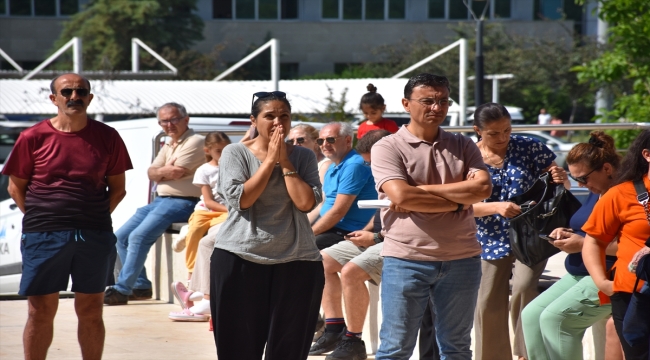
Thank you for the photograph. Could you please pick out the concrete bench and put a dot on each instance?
(163, 267)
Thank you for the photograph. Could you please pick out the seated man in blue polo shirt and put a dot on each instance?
(348, 180)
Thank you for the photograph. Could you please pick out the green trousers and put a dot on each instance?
(555, 322)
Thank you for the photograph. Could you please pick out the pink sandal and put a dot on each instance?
(187, 315)
(182, 294)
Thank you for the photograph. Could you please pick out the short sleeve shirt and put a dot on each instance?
(523, 163)
(207, 174)
(385, 124)
(427, 236)
(189, 154)
(273, 230)
(352, 176)
(618, 213)
(67, 173)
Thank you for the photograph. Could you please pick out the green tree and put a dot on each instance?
(107, 26)
(542, 69)
(623, 66)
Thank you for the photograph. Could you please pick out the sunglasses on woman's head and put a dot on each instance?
(330, 140)
(263, 94)
(299, 140)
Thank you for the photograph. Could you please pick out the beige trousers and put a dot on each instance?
(201, 275)
(491, 316)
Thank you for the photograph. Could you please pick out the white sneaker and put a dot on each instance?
(202, 307)
(178, 244)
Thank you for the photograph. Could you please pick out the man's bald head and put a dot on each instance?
(53, 83)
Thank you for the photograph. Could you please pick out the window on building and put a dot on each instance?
(245, 9)
(289, 9)
(222, 9)
(268, 9)
(69, 7)
(374, 9)
(364, 9)
(352, 9)
(456, 9)
(502, 9)
(20, 8)
(44, 8)
(396, 9)
(436, 9)
(255, 9)
(560, 9)
(39, 7)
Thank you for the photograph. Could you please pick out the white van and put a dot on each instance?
(143, 139)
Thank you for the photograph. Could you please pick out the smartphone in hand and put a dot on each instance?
(546, 237)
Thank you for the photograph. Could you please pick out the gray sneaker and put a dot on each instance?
(350, 348)
(327, 342)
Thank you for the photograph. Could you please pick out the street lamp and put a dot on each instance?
(478, 63)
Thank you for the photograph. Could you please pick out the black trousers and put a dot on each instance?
(254, 305)
(620, 302)
(428, 344)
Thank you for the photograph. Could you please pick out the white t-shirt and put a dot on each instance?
(207, 174)
(544, 119)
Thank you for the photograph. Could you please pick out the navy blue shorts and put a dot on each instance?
(51, 258)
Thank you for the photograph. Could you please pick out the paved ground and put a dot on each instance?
(139, 330)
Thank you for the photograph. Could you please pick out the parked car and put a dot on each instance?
(9, 131)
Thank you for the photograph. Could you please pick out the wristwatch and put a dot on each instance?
(378, 237)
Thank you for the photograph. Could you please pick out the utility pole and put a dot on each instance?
(479, 69)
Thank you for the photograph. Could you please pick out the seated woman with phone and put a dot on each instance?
(555, 322)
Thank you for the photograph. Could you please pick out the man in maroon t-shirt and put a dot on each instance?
(66, 174)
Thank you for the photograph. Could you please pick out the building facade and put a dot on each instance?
(315, 35)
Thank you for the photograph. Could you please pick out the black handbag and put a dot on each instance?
(545, 207)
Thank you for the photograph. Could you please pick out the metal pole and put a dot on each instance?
(77, 56)
(11, 61)
(462, 82)
(155, 54)
(275, 63)
(426, 60)
(135, 56)
(49, 60)
(478, 65)
(244, 61)
(603, 98)
(495, 90)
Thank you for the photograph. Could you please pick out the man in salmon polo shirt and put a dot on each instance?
(430, 248)
(67, 176)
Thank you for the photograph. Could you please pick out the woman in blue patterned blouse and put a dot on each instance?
(514, 162)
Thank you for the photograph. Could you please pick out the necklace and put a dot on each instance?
(488, 157)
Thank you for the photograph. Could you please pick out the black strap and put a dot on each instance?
(642, 197)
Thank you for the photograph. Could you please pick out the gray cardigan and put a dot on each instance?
(273, 230)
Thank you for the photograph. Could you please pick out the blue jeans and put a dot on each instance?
(140, 232)
(405, 291)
